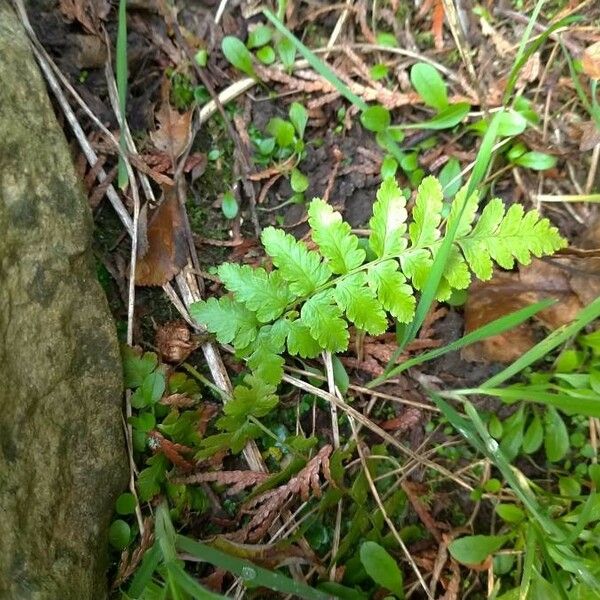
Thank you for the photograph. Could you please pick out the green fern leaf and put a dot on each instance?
(456, 272)
(332, 235)
(301, 268)
(262, 292)
(393, 292)
(388, 223)
(505, 237)
(254, 398)
(323, 318)
(265, 360)
(360, 304)
(230, 321)
(300, 342)
(416, 265)
(426, 213)
(475, 248)
(468, 214)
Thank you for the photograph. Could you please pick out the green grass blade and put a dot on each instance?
(143, 574)
(555, 339)
(523, 56)
(245, 569)
(495, 327)
(484, 156)
(316, 63)
(121, 76)
(188, 584)
(321, 67)
(569, 403)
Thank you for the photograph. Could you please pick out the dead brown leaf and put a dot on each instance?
(269, 504)
(88, 13)
(163, 249)
(174, 131)
(174, 341)
(508, 292)
(171, 450)
(240, 479)
(409, 418)
(590, 61)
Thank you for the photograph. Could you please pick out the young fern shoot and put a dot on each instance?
(306, 303)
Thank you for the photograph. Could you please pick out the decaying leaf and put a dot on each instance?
(88, 13)
(240, 479)
(174, 341)
(508, 292)
(171, 450)
(409, 418)
(162, 245)
(173, 132)
(130, 559)
(269, 504)
(590, 61)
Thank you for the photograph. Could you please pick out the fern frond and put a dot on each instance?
(332, 235)
(395, 295)
(308, 301)
(301, 268)
(506, 238)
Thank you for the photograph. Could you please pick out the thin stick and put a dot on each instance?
(333, 390)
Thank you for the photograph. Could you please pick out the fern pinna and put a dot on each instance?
(306, 302)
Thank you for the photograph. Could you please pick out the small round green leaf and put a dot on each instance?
(429, 85)
(389, 166)
(286, 51)
(298, 181)
(376, 118)
(283, 131)
(201, 57)
(536, 161)
(266, 55)
(556, 438)
(237, 54)
(379, 71)
(298, 117)
(510, 513)
(119, 534)
(387, 39)
(125, 504)
(382, 568)
(511, 123)
(450, 178)
(259, 36)
(534, 436)
(340, 375)
(474, 549)
(229, 205)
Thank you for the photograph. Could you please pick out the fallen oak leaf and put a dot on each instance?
(162, 244)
